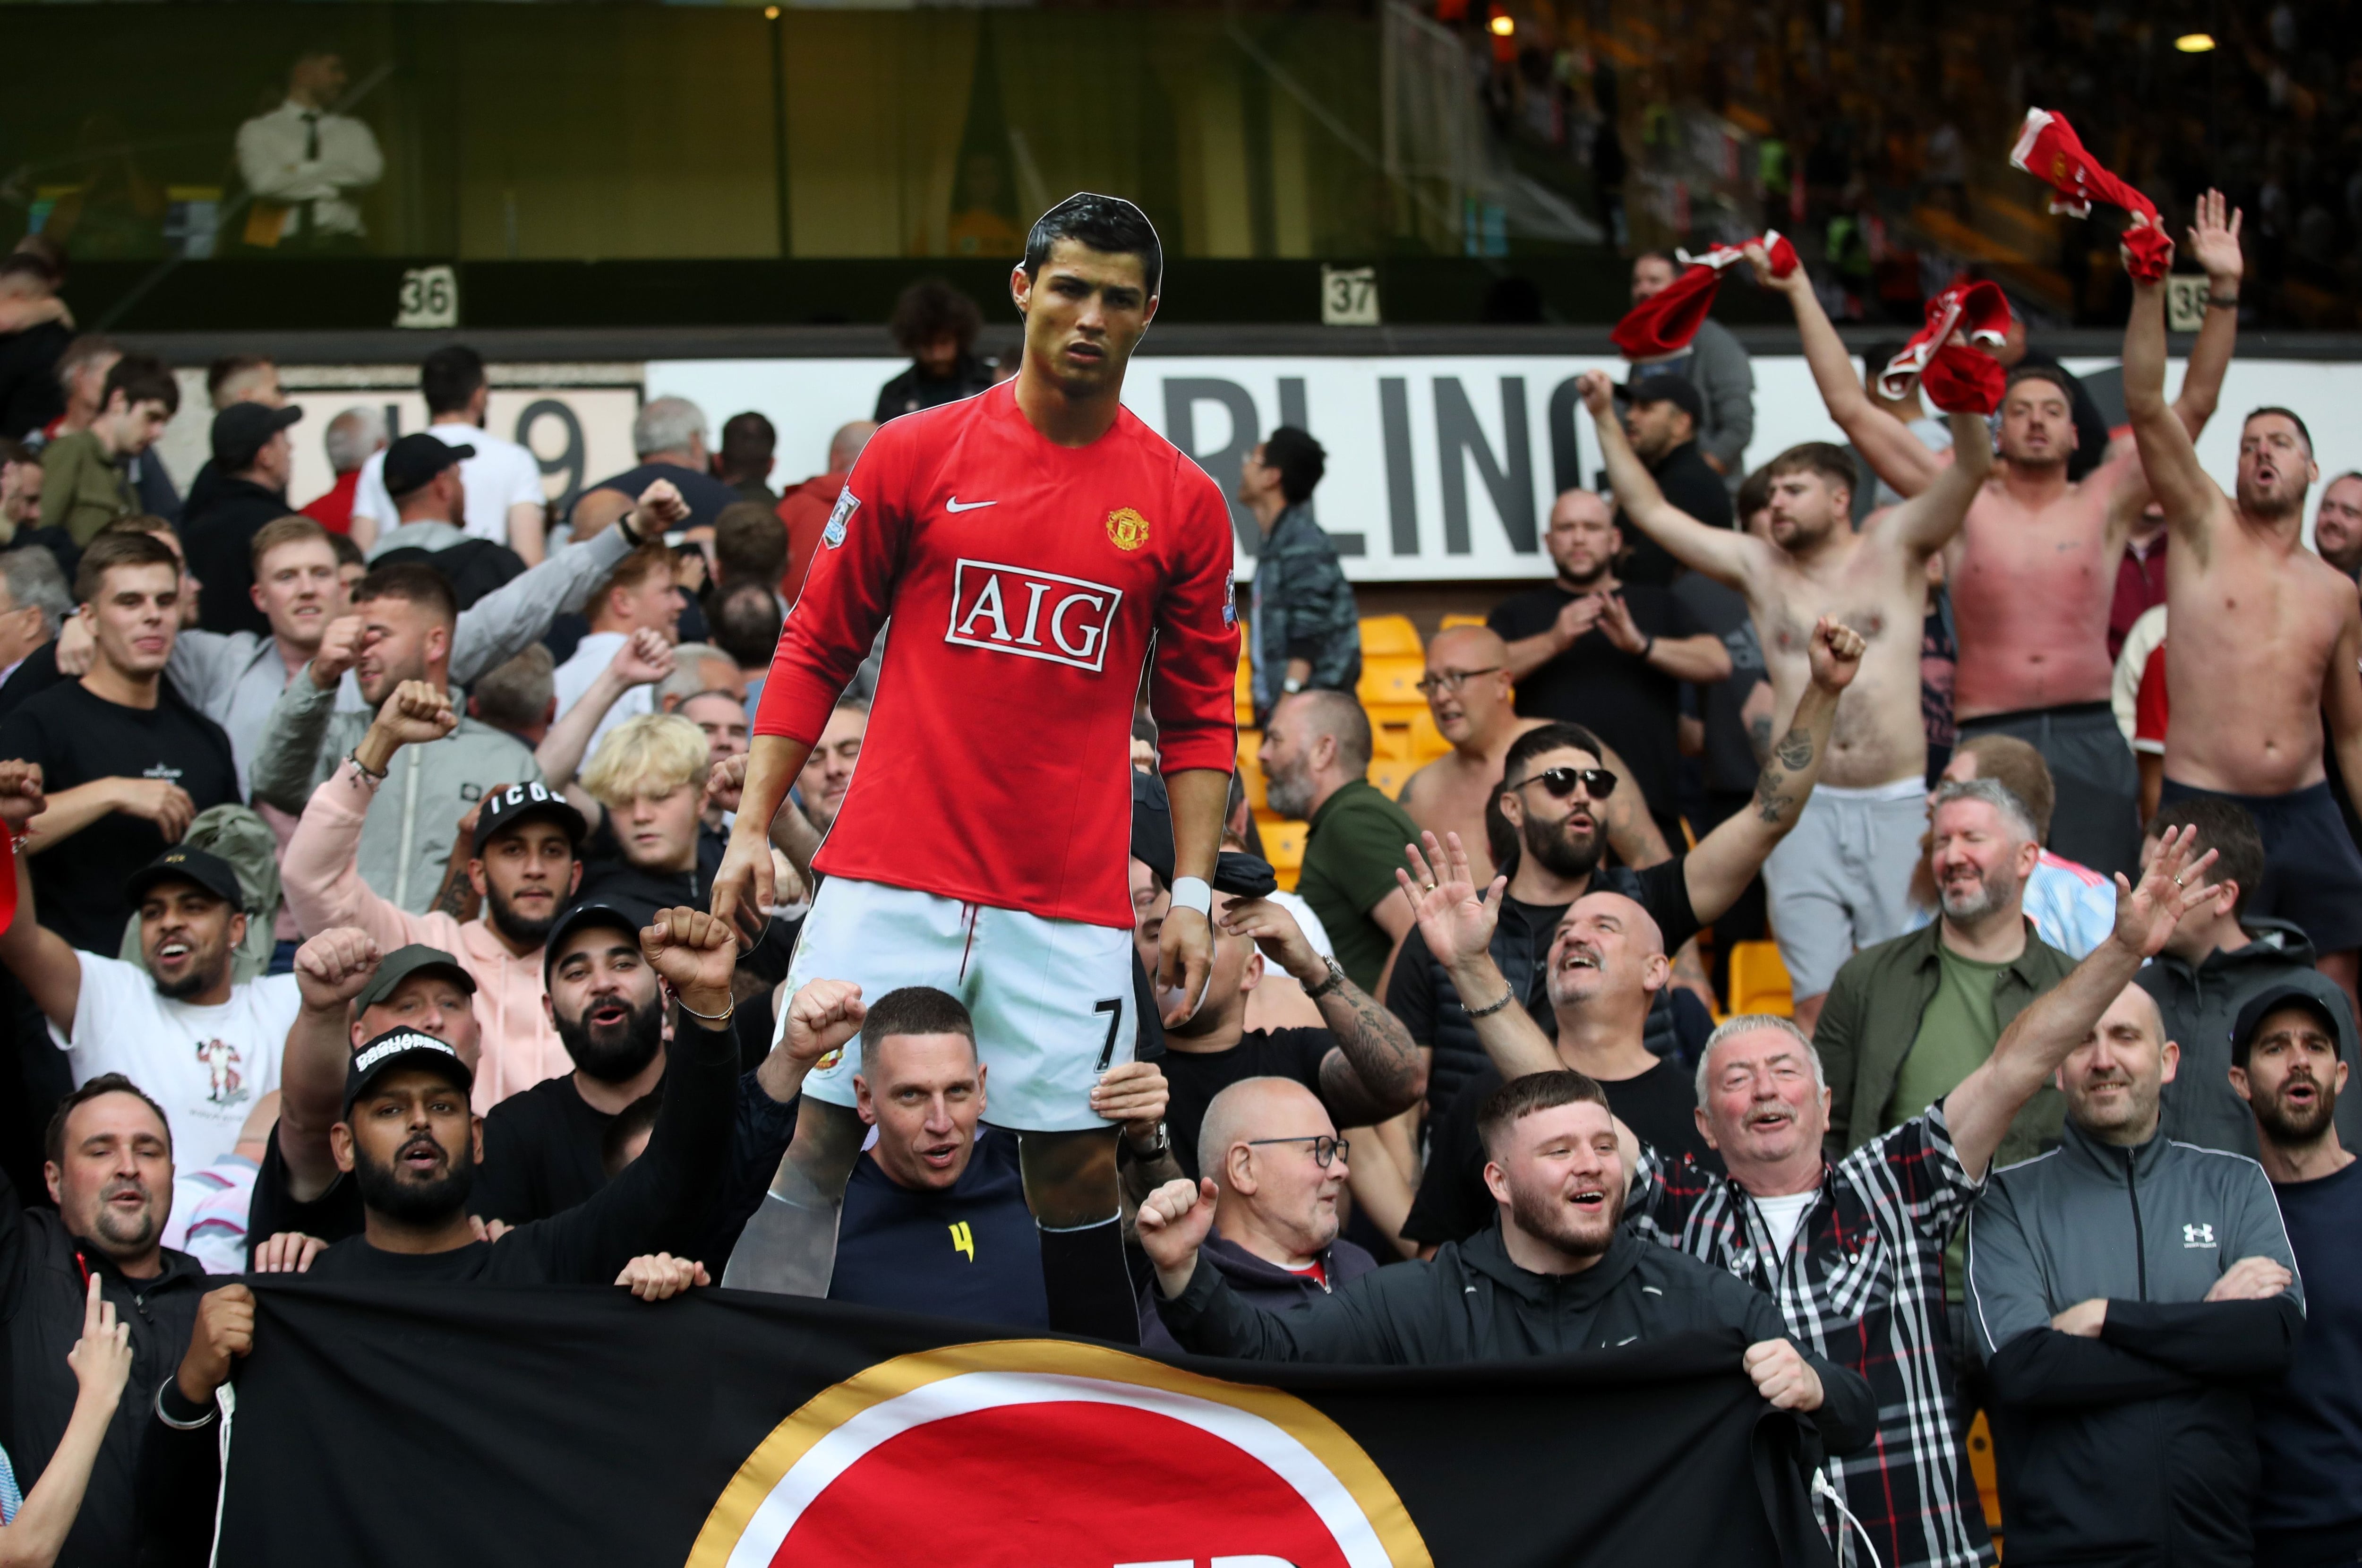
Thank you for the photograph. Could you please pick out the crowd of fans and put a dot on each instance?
(361, 856)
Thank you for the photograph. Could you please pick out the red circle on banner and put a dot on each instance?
(1084, 1483)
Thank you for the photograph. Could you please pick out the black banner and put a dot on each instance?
(725, 1429)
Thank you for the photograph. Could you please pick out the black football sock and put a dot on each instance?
(1089, 1289)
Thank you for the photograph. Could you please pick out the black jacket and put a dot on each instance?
(2137, 1446)
(1470, 1303)
(219, 538)
(910, 391)
(1261, 1283)
(42, 1284)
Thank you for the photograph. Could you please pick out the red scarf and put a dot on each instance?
(2048, 148)
(1665, 323)
(1957, 378)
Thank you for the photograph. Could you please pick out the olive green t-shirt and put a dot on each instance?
(1351, 847)
(1956, 1034)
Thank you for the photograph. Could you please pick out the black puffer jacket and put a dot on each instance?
(43, 1271)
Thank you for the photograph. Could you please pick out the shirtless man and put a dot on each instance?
(1842, 879)
(2336, 525)
(2266, 639)
(1467, 688)
(2034, 573)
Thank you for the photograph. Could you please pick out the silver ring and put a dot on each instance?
(1427, 886)
(2176, 881)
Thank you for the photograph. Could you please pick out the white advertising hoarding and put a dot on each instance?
(1439, 467)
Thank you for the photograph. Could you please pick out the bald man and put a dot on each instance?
(1607, 965)
(1316, 767)
(2122, 1344)
(1468, 692)
(1278, 1170)
(1589, 649)
(804, 508)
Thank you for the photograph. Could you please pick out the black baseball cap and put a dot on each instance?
(243, 429)
(504, 808)
(180, 864)
(582, 917)
(404, 962)
(399, 1048)
(2271, 1000)
(1663, 388)
(416, 459)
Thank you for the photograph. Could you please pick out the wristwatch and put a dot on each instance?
(1157, 1150)
(1319, 988)
(1291, 686)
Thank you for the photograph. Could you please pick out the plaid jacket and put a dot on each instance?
(1864, 1285)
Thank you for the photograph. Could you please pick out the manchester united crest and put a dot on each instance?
(1127, 529)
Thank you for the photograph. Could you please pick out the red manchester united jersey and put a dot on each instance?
(1025, 580)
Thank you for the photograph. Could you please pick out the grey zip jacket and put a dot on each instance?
(2137, 1446)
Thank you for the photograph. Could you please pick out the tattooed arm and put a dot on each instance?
(1727, 860)
(1375, 1070)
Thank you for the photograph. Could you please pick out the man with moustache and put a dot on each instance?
(109, 1154)
(2129, 1293)
(525, 865)
(1558, 1273)
(1851, 1252)
(2286, 1065)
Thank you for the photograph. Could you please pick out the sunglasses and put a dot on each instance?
(1561, 781)
(1324, 1148)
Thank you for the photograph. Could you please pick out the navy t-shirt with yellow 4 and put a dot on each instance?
(968, 1251)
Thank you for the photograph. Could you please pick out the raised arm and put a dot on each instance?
(44, 962)
(1207, 1317)
(331, 970)
(1893, 453)
(2031, 1049)
(512, 618)
(1727, 860)
(1927, 522)
(2214, 245)
(1457, 921)
(287, 757)
(645, 658)
(1373, 1071)
(2168, 456)
(1724, 553)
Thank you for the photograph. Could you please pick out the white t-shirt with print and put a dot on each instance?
(205, 1066)
(501, 475)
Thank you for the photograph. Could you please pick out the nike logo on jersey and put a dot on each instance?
(1033, 614)
(956, 505)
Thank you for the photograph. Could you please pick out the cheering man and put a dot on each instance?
(1030, 541)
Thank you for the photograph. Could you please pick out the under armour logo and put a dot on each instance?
(963, 1239)
(2198, 1235)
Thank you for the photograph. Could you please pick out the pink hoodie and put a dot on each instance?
(324, 888)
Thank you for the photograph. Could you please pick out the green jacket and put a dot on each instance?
(1350, 849)
(83, 487)
(1872, 1016)
(1303, 608)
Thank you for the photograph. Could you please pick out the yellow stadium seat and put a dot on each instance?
(1391, 743)
(1251, 770)
(1244, 688)
(1450, 621)
(1988, 1476)
(1388, 636)
(1391, 774)
(1390, 685)
(1283, 845)
(1759, 981)
(1427, 741)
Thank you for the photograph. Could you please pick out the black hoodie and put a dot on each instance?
(1470, 1303)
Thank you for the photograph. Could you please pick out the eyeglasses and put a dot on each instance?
(1561, 781)
(1451, 680)
(1324, 1148)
